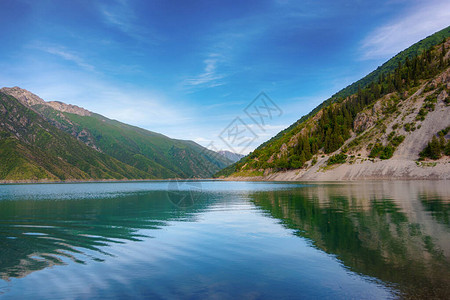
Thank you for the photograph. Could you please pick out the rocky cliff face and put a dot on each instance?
(367, 119)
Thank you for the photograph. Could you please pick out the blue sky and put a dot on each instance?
(187, 69)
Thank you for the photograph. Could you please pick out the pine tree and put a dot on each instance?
(314, 146)
(307, 150)
(435, 148)
(302, 158)
(442, 141)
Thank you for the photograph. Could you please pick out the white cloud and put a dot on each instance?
(121, 15)
(420, 21)
(141, 108)
(67, 55)
(129, 104)
(209, 77)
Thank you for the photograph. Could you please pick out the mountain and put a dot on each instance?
(33, 149)
(389, 124)
(234, 157)
(80, 144)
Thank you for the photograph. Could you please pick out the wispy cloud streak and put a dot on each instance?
(121, 15)
(67, 55)
(421, 21)
(209, 77)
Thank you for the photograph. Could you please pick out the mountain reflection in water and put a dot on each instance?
(394, 235)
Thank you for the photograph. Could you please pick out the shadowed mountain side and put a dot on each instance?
(33, 149)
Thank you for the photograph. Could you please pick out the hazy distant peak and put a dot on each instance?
(234, 157)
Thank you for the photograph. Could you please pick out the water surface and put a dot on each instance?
(210, 239)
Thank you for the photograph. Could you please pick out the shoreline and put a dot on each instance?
(44, 181)
(393, 169)
(265, 179)
(275, 177)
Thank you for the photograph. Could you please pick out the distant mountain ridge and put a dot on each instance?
(29, 99)
(73, 109)
(144, 154)
(234, 157)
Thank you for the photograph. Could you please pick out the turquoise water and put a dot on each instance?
(225, 240)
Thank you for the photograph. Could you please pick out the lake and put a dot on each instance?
(225, 240)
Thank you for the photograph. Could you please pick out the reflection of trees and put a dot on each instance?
(38, 234)
(373, 236)
(398, 233)
(439, 209)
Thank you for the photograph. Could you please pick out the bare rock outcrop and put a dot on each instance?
(29, 99)
(364, 121)
(25, 97)
(73, 109)
(283, 150)
(442, 96)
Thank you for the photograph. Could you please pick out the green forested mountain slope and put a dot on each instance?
(148, 151)
(364, 120)
(392, 64)
(152, 153)
(389, 66)
(33, 149)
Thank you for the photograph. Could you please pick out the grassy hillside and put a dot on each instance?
(147, 151)
(338, 120)
(33, 149)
